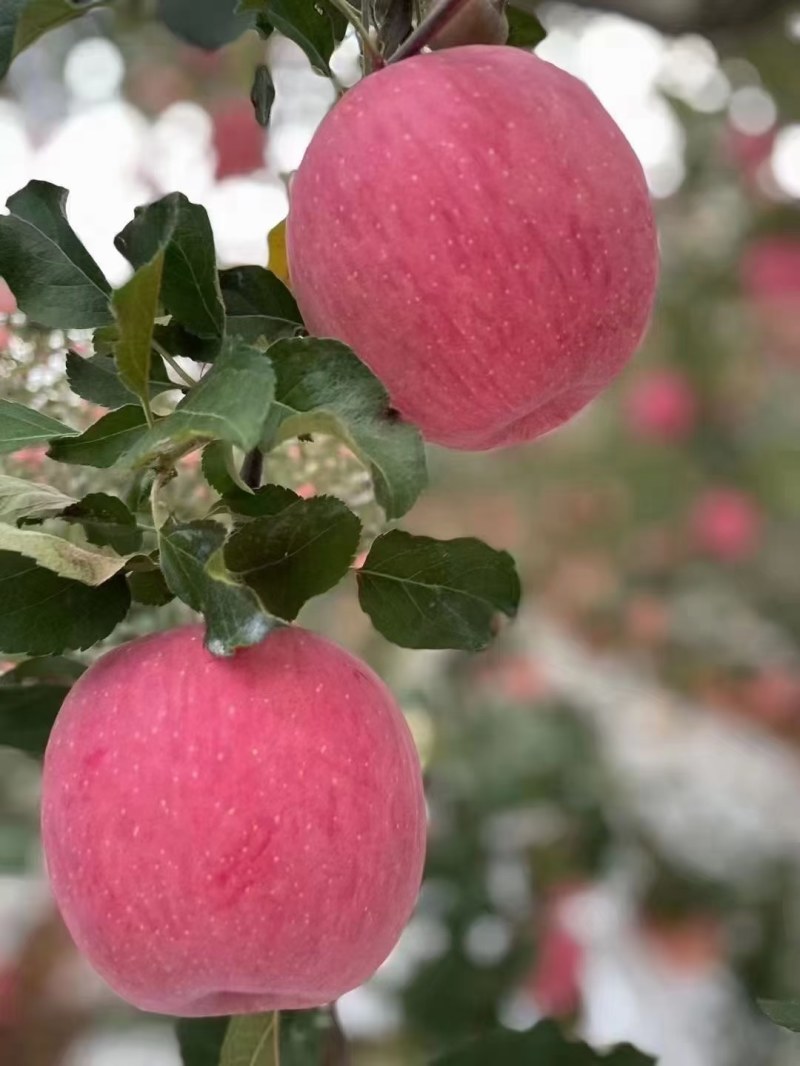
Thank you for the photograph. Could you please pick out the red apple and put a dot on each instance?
(647, 620)
(770, 271)
(8, 302)
(34, 457)
(662, 407)
(727, 524)
(474, 224)
(238, 139)
(749, 151)
(228, 836)
(692, 945)
(555, 982)
(514, 677)
(774, 696)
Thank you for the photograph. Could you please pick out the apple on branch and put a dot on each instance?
(476, 227)
(229, 836)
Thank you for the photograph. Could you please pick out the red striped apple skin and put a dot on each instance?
(227, 836)
(476, 227)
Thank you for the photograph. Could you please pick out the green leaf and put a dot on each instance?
(785, 1013)
(104, 443)
(27, 713)
(103, 340)
(55, 280)
(221, 470)
(179, 341)
(304, 1036)
(234, 617)
(28, 710)
(250, 1041)
(25, 499)
(207, 24)
(201, 1040)
(524, 28)
(315, 25)
(189, 285)
(262, 94)
(55, 669)
(97, 380)
(230, 403)
(73, 561)
(299, 552)
(544, 1045)
(150, 587)
(267, 500)
(323, 387)
(23, 21)
(21, 427)
(107, 522)
(44, 614)
(258, 305)
(135, 309)
(426, 593)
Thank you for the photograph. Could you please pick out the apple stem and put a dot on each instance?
(253, 468)
(438, 17)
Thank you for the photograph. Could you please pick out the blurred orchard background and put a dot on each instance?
(614, 788)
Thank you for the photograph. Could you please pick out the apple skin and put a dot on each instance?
(229, 836)
(662, 407)
(476, 227)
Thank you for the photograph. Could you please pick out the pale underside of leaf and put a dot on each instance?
(89, 566)
(250, 1041)
(25, 499)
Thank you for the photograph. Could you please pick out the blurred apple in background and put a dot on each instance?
(727, 524)
(770, 274)
(690, 945)
(555, 983)
(154, 87)
(749, 152)
(774, 697)
(239, 141)
(8, 302)
(662, 406)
